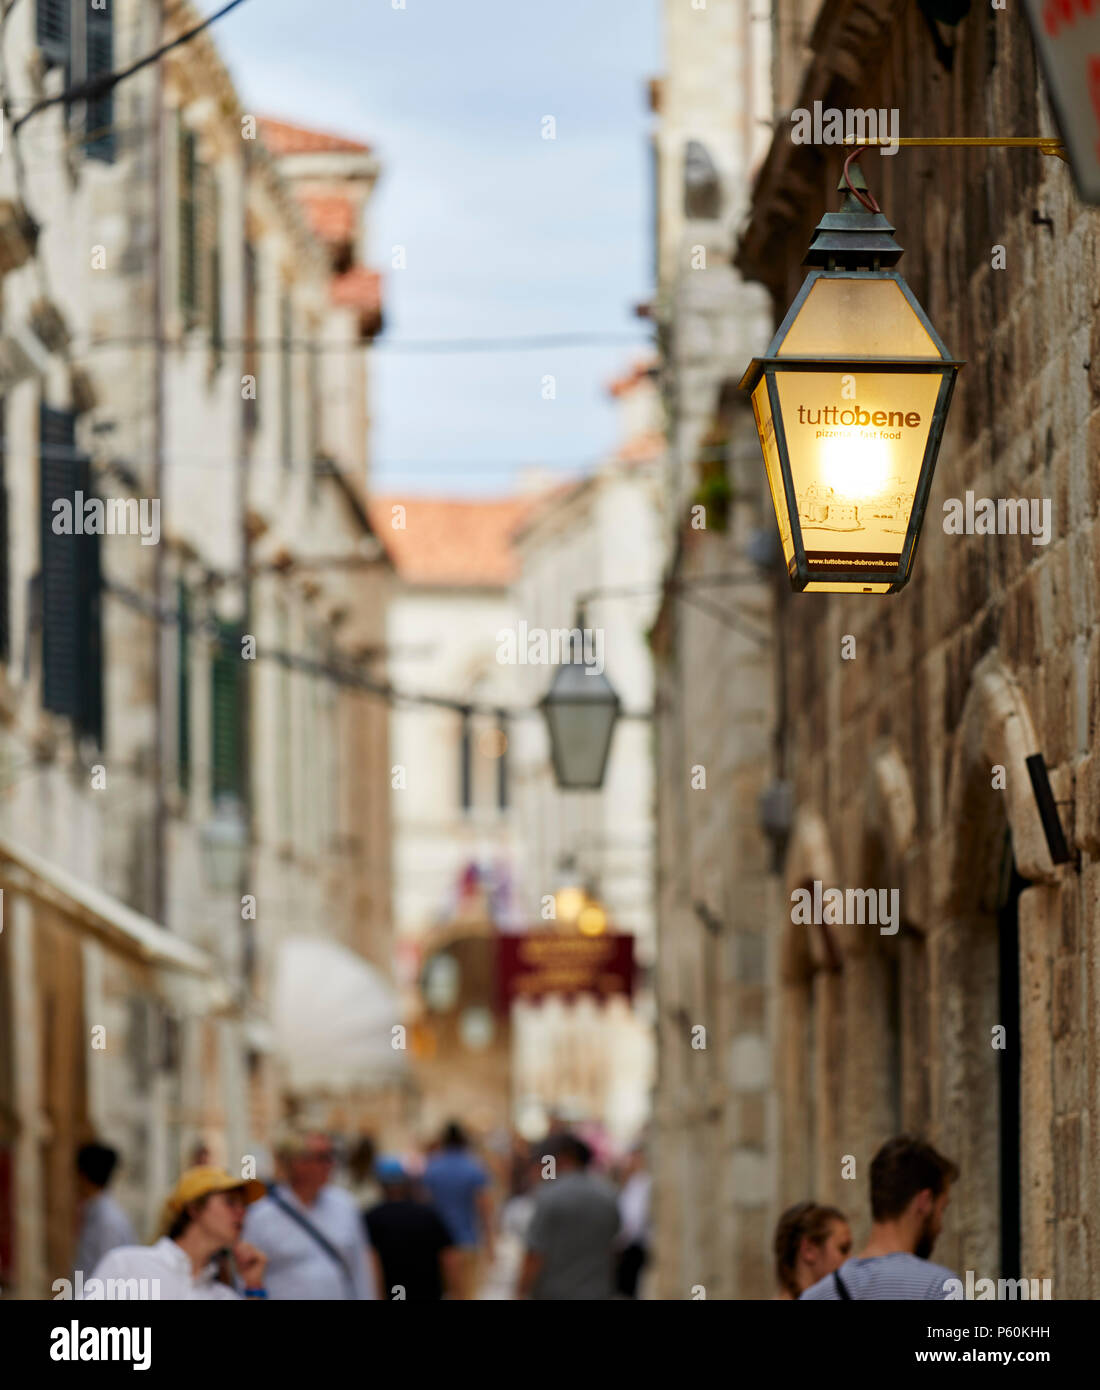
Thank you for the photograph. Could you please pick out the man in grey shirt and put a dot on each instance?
(570, 1241)
(910, 1189)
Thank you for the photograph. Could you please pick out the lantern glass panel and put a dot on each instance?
(765, 425)
(855, 459)
(841, 310)
(581, 735)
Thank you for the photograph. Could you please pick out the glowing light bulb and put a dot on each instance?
(855, 468)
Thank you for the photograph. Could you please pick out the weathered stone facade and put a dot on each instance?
(991, 653)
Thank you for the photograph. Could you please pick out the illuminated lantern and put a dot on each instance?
(850, 404)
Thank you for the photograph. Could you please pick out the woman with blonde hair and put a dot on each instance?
(810, 1242)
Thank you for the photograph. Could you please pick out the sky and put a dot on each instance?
(506, 233)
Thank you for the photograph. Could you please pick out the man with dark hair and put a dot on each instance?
(458, 1185)
(910, 1190)
(103, 1224)
(571, 1238)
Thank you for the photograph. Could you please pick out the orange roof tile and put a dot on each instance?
(640, 448)
(331, 216)
(452, 541)
(281, 137)
(632, 377)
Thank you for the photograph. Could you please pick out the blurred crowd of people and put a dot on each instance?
(559, 1219)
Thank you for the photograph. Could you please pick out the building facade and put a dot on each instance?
(595, 545)
(452, 795)
(892, 733)
(908, 762)
(713, 655)
(167, 295)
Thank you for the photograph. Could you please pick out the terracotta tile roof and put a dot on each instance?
(358, 288)
(331, 216)
(641, 447)
(281, 137)
(452, 541)
(636, 374)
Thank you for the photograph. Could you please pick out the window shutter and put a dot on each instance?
(5, 575)
(251, 288)
(227, 690)
(211, 212)
(72, 658)
(88, 714)
(286, 382)
(188, 286)
(52, 30)
(57, 479)
(99, 113)
(183, 706)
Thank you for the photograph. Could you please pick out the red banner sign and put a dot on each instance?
(533, 965)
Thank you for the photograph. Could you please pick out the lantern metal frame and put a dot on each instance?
(853, 244)
(614, 706)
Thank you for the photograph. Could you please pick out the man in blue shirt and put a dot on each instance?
(457, 1184)
(910, 1190)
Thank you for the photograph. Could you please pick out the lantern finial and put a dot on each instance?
(855, 237)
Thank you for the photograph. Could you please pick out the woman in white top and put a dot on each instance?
(202, 1220)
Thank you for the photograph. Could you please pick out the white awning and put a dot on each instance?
(111, 922)
(333, 1015)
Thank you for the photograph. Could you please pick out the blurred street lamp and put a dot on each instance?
(569, 903)
(850, 404)
(581, 709)
(592, 919)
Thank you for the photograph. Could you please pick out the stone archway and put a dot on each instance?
(884, 972)
(965, 966)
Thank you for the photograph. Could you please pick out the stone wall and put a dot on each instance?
(991, 653)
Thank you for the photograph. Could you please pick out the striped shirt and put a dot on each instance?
(896, 1276)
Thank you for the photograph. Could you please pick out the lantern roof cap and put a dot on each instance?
(855, 236)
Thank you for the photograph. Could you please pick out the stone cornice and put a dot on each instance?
(847, 37)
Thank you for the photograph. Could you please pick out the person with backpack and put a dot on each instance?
(910, 1190)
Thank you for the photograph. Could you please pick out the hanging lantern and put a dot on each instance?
(850, 404)
(581, 709)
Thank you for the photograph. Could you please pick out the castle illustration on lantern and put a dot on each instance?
(819, 508)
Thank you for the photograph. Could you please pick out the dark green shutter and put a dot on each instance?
(188, 249)
(183, 714)
(99, 113)
(5, 577)
(227, 692)
(72, 658)
(57, 479)
(89, 644)
(52, 30)
(251, 291)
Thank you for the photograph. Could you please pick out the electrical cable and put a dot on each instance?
(98, 86)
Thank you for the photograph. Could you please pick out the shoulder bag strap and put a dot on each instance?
(322, 1240)
(841, 1288)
